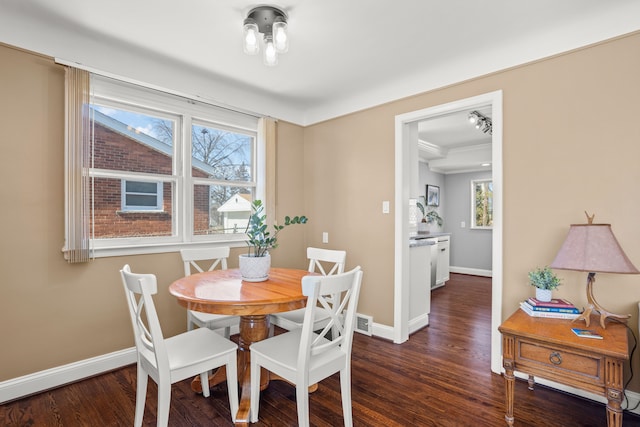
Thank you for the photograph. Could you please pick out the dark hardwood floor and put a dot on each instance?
(441, 377)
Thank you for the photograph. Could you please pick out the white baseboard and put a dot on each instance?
(37, 382)
(632, 397)
(418, 323)
(383, 331)
(471, 271)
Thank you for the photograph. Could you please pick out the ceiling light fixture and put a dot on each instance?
(481, 122)
(271, 22)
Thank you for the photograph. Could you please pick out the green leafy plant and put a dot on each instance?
(544, 278)
(429, 216)
(260, 240)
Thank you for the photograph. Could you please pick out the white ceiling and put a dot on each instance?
(451, 144)
(344, 56)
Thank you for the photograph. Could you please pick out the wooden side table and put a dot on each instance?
(549, 349)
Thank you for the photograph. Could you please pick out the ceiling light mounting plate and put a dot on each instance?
(265, 16)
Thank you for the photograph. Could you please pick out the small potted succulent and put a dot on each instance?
(255, 264)
(545, 281)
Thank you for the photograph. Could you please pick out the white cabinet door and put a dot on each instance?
(419, 292)
(442, 270)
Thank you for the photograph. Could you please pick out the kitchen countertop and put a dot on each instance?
(421, 242)
(425, 239)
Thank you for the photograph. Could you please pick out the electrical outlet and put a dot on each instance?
(325, 237)
(385, 207)
(463, 224)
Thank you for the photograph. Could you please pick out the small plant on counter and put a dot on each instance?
(429, 216)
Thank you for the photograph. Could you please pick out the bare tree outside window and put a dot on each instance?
(482, 203)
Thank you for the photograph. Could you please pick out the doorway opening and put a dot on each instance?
(406, 167)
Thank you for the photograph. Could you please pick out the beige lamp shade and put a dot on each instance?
(592, 248)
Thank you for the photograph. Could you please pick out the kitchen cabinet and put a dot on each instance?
(420, 283)
(442, 262)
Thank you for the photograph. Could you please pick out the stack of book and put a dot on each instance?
(556, 308)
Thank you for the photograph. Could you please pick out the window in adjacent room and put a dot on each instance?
(482, 204)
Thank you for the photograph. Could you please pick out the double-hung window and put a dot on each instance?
(168, 171)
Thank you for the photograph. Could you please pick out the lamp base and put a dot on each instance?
(594, 306)
(586, 315)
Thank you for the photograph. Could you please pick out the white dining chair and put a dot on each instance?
(326, 262)
(173, 359)
(304, 357)
(193, 260)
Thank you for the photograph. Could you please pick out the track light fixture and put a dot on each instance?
(271, 22)
(481, 122)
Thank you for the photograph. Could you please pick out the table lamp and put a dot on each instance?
(593, 248)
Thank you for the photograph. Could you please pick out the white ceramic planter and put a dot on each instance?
(543, 294)
(254, 269)
(423, 228)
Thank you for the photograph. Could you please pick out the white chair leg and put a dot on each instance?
(164, 402)
(189, 322)
(141, 396)
(204, 380)
(227, 332)
(232, 385)
(255, 390)
(302, 400)
(345, 390)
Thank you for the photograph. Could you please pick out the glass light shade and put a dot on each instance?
(270, 53)
(280, 36)
(251, 38)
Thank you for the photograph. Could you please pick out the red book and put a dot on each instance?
(556, 302)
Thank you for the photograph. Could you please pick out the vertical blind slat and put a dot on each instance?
(77, 146)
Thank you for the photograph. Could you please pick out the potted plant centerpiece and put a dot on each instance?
(544, 281)
(429, 216)
(255, 265)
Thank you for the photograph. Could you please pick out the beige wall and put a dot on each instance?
(571, 143)
(53, 313)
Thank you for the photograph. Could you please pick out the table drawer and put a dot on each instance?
(561, 361)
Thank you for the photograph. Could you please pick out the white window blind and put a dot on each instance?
(77, 137)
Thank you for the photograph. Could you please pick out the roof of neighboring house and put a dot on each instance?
(236, 203)
(145, 139)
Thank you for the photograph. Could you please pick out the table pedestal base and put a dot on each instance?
(252, 329)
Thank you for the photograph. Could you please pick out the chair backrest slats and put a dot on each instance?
(319, 291)
(191, 258)
(334, 259)
(139, 289)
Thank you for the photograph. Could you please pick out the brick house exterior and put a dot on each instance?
(121, 149)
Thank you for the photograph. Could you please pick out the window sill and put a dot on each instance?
(137, 212)
(158, 248)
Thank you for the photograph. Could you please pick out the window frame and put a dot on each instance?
(474, 224)
(185, 111)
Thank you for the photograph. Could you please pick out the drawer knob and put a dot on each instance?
(555, 358)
